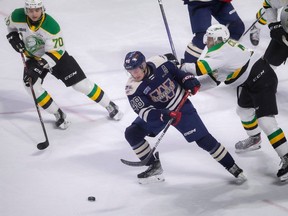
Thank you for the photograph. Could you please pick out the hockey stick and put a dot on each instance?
(45, 144)
(145, 160)
(167, 28)
(253, 24)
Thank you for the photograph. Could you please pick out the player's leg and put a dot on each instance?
(193, 129)
(135, 135)
(200, 20)
(226, 14)
(45, 101)
(71, 74)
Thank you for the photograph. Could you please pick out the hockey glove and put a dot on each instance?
(191, 83)
(16, 42)
(33, 70)
(277, 31)
(172, 58)
(166, 115)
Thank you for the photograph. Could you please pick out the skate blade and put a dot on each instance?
(241, 179)
(152, 179)
(251, 148)
(118, 116)
(284, 178)
(64, 125)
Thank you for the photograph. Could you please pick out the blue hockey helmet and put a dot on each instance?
(134, 60)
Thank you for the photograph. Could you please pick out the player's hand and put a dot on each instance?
(191, 83)
(277, 31)
(33, 70)
(166, 115)
(16, 42)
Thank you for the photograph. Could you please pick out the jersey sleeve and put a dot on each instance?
(54, 44)
(17, 16)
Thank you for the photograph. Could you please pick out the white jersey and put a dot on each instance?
(43, 41)
(228, 62)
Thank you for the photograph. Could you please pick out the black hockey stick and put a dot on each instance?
(253, 24)
(45, 144)
(167, 28)
(145, 160)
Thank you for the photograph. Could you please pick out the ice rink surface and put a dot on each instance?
(84, 160)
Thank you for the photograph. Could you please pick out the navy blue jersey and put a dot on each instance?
(160, 89)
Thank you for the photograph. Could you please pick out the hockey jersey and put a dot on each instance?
(228, 62)
(42, 41)
(160, 89)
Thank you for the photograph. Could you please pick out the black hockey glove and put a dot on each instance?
(172, 58)
(166, 115)
(191, 83)
(16, 42)
(33, 70)
(277, 31)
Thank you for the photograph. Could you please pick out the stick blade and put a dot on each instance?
(139, 163)
(43, 145)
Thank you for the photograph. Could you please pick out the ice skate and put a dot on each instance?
(250, 144)
(153, 174)
(238, 173)
(114, 112)
(255, 35)
(61, 121)
(283, 171)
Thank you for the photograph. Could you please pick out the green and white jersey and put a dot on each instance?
(41, 41)
(228, 62)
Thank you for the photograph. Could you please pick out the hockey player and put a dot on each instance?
(200, 14)
(276, 52)
(154, 90)
(36, 34)
(230, 62)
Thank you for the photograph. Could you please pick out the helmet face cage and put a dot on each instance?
(134, 60)
(218, 32)
(34, 4)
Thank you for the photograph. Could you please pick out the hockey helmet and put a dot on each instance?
(284, 18)
(134, 60)
(218, 32)
(34, 4)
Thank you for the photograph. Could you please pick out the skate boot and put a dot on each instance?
(255, 35)
(249, 144)
(283, 171)
(61, 121)
(153, 174)
(238, 173)
(114, 112)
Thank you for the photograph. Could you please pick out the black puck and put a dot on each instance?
(91, 198)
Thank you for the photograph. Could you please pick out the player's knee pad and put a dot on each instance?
(236, 29)
(268, 124)
(85, 86)
(192, 53)
(245, 114)
(134, 135)
(208, 143)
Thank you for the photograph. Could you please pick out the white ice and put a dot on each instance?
(84, 160)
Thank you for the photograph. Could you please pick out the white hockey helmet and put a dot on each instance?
(218, 32)
(34, 4)
(284, 18)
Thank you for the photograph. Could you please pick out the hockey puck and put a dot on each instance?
(91, 198)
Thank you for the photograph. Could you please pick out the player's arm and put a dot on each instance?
(54, 43)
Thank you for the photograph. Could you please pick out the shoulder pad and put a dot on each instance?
(157, 60)
(18, 15)
(131, 86)
(50, 25)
